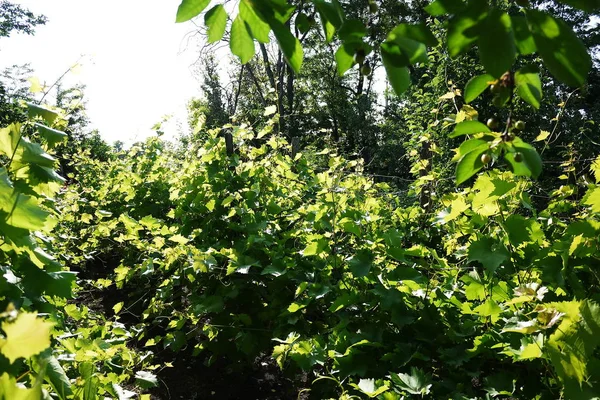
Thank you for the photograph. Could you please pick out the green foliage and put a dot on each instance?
(15, 18)
(34, 282)
(216, 20)
(563, 53)
(467, 293)
(258, 252)
(498, 35)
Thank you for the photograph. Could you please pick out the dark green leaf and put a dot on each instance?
(399, 77)
(529, 85)
(303, 23)
(352, 30)
(188, 9)
(463, 29)
(563, 53)
(216, 20)
(489, 252)
(417, 32)
(585, 5)
(56, 376)
(523, 38)
(476, 86)
(496, 43)
(330, 18)
(440, 7)
(360, 264)
(523, 230)
(469, 128)
(404, 52)
(49, 283)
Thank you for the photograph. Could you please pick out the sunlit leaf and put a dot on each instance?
(188, 9)
(476, 86)
(256, 26)
(27, 336)
(469, 128)
(216, 20)
(529, 85)
(241, 42)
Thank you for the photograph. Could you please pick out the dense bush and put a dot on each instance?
(229, 253)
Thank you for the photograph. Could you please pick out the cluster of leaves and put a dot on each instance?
(498, 35)
(239, 250)
(39, 354)
(15, 18)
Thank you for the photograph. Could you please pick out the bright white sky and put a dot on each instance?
(137, 66)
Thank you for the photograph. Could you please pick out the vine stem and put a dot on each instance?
(558, 117)
(60, 78)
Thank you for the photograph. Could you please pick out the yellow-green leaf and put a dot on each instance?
(27, 336)
(10, 391)
(542, 136)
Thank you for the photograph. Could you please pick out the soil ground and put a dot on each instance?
(190, 379)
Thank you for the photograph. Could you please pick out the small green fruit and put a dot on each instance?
(520, 125)
(498, 101)
(359, 56)
(492, 123)
(495, 88)
(366, 69)
(486, 158)
(509, 137)
(373, 7)
(518, 156)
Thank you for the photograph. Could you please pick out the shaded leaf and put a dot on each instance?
(523, 37)
(563, 53)
(496, 43)
(360, 264)
(399, 77)
(488, 252)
